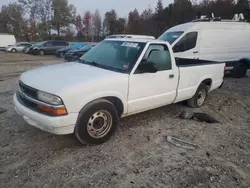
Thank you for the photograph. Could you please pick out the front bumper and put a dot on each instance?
(221, 85)
(61, 125)
(8, 49)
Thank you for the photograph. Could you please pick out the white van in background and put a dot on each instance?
(223, 41)
(6, 40)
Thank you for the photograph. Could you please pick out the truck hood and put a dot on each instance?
(57, 78)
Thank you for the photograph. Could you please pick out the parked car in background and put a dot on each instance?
(219, 40)
(28, 46)
(61, 52)
(130, 36)
(18, 47)
(6, 40)
(117, 78)
(74, 55)
(48, 47)
(29, 49)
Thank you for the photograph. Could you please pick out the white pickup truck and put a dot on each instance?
(117, 78)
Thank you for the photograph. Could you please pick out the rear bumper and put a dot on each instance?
(56, 125)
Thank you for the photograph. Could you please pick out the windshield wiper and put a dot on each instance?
(93, 63)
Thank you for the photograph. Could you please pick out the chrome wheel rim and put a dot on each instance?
(201, 97)
(99, 124)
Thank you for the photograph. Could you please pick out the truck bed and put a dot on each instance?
(192, 74)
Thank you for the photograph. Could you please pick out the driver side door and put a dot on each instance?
(151, 90)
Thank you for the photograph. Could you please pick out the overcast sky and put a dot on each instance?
(121, 6)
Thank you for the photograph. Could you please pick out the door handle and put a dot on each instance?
(195, 52)
(171, 76)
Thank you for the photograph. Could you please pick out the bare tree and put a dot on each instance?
(87, 23)
(97, 23)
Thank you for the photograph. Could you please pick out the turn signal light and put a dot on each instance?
(53, 111)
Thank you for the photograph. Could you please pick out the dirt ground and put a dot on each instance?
(138, 155)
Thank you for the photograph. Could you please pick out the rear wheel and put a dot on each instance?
(199, 98)
(239, 70)
(97, 122)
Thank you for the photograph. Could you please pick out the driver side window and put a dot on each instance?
(159, 55)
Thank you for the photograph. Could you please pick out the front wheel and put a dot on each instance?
(96, 122)
(13, 50)
(41, 52)
(199, 98)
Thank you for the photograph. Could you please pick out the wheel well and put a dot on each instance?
(208, 82)
(117, 103)
(246, 62)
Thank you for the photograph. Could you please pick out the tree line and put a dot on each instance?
(36, 20)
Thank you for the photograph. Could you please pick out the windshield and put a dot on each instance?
(40, 43)
(170, 36)
(118, 56)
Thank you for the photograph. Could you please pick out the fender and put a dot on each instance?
(76, 106)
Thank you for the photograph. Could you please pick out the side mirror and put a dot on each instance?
(147, 67)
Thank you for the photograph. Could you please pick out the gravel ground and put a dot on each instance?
(138, 155)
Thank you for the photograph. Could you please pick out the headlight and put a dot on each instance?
(49, 98)
(34, 48)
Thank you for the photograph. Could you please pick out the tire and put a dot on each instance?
(41, 52)
(100, 115)
(61, 54)
(13, 50)
(239, 71)
(196, 101)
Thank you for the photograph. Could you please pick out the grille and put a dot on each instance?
(26, 102)
(31, 105)
(31, 92)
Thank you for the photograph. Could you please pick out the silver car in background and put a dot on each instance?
(18, 47)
